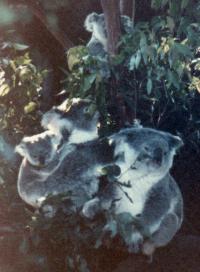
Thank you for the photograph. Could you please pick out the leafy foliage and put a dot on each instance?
(20, 85)
(151, 79)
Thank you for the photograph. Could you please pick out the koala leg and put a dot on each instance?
(163, 235)
(135, 243)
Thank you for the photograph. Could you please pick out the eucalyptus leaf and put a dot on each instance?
(4, 89)
(30, 107)
(20, 47)
(149, 86)
(87, 83)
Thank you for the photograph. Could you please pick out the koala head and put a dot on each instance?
(39, 149)
(127, 24)
(145, 151)
(94, 19)
(74, 120)
(95, 23)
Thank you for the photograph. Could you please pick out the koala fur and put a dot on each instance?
(153, 198)
(95, 23)
(40, 149)
(78, 174)
(65, 126)
(73, 120)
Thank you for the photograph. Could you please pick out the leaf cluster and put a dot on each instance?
(20, 86)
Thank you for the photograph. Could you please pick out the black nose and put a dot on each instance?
(157, 156)
(42, 160)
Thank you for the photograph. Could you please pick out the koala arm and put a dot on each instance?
(166, 226)
(165, 233)
(96, 48)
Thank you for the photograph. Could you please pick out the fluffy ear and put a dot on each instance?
(90, 19)
(21, 149)
(175, 142)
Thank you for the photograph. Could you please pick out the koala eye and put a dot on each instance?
(146, 148)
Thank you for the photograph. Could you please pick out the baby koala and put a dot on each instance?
(39, 149)
(43, 151)
(73, 120)
(144, 189)
(77, 174)
(95, 23)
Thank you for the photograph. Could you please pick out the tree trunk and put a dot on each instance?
(111, 11)
(127, 7)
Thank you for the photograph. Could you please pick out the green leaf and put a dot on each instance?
(4, 89)
(137, 59)
(30, 107)
(132, 63)
(183, 49)
(75, 55)
(149, 86)
(170, 23)
(87, 83)
(20, 47)
(173, 78)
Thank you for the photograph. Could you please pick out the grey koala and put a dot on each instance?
(41, 149)
(43, 153)
(78, 174)
(95, 23)
(73, 120)
(150, 195)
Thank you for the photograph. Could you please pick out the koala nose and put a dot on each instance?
(42, 160)
(157, 156)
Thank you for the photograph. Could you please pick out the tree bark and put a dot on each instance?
(58, 34)
(111, 11)
(127, 7)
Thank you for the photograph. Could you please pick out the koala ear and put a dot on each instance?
(175, 142)
(90, 19)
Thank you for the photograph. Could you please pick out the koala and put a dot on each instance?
(95, 23)
(66, 127)
(77, 174)
(73, 120)
(43, 152)
(39, 149)
(144, 188)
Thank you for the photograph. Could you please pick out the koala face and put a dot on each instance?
(76, 120)
(39, 149)
(144, 151)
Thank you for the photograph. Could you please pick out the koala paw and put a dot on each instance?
(148, 249)
(91, 208)
(135, 245)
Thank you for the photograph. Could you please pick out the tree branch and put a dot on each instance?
(111, 11)
(127, 7)
(59, 35)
